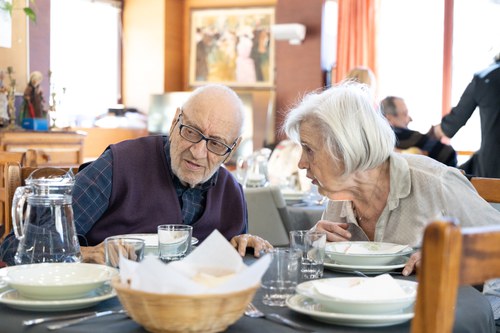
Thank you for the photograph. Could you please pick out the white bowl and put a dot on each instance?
(58, 281)
(365, 253)
(360, 305)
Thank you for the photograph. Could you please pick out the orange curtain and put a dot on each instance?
(357, 36)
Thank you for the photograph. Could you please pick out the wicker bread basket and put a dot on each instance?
(162, 313)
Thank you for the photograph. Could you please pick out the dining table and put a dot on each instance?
(473, 314)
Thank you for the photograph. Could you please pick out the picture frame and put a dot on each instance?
(232, 47)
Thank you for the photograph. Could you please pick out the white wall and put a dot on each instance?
(143, 52)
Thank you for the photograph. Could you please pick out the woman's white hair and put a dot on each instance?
(355, 131)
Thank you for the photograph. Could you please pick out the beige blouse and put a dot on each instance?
(420, 189)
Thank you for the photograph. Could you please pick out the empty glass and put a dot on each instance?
(174, 241)
(281, 277)
(127, 247)
(311, 244)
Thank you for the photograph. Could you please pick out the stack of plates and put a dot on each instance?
(56, 286)
(293, 196)
(367, 257)
(356, 301)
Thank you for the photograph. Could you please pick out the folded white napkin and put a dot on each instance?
(213, 267)
(370, 248)
(381, 287)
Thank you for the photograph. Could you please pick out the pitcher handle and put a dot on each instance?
(18, 202)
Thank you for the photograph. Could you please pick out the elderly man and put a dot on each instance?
(396, 112)
(138, 184)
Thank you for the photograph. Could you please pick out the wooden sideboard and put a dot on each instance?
(54, 148)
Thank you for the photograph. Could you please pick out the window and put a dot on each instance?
(84, 58)
(411, 56)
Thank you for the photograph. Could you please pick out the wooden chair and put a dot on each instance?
(11, 161)
(27, 158)
(267, 214)
(488, 188)
(452, 256)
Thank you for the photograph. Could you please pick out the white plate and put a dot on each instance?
(58, 281)
(151, 240)
(365, 253)
(345, 303)
(13, 299)
(310, 307)
(293, 195)
(3, 273)
(367, 269)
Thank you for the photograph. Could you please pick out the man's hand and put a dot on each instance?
(93, 254)
(241, 242)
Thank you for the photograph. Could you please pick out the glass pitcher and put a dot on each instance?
(251, 171)
(42, 218)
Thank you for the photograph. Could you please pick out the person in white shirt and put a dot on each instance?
(375, 194)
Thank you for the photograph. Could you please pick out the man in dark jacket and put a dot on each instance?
(483, 92)
(396, 112)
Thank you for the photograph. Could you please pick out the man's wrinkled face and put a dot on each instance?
(192, 162)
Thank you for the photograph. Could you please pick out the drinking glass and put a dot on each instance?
(128, 247)
(311, 244)
(281, 277)
(174, 241)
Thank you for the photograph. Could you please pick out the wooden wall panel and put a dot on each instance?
(174, 60)
(298, 67)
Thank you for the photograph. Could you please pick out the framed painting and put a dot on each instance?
(232, 47)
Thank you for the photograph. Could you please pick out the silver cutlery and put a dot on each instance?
(70, 319)
(41, 320)
(359, 273)
(253, 312)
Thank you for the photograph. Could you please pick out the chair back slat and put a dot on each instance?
(451, 257)
(480, 255)
(488, 188)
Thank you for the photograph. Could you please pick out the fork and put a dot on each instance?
(252, 312)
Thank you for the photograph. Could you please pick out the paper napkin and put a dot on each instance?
(370, 248)
(381, 287)
(213, 267)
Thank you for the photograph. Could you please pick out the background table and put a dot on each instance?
(303, 216)
(473, 315)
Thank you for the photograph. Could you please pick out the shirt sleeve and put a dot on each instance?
(92, 192)
(468, 207)
(453, 121)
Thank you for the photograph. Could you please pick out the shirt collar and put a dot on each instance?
(400, 182)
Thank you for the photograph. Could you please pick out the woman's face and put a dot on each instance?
(322, 169)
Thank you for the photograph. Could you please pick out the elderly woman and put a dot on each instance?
(375, 193)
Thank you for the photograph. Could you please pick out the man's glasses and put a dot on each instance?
(191, 134)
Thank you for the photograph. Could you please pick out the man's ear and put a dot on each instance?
(390, 118)
(175, 120)
(228, 157)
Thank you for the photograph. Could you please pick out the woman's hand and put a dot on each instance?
(335, 231)
(241, 242)
(413, 263)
